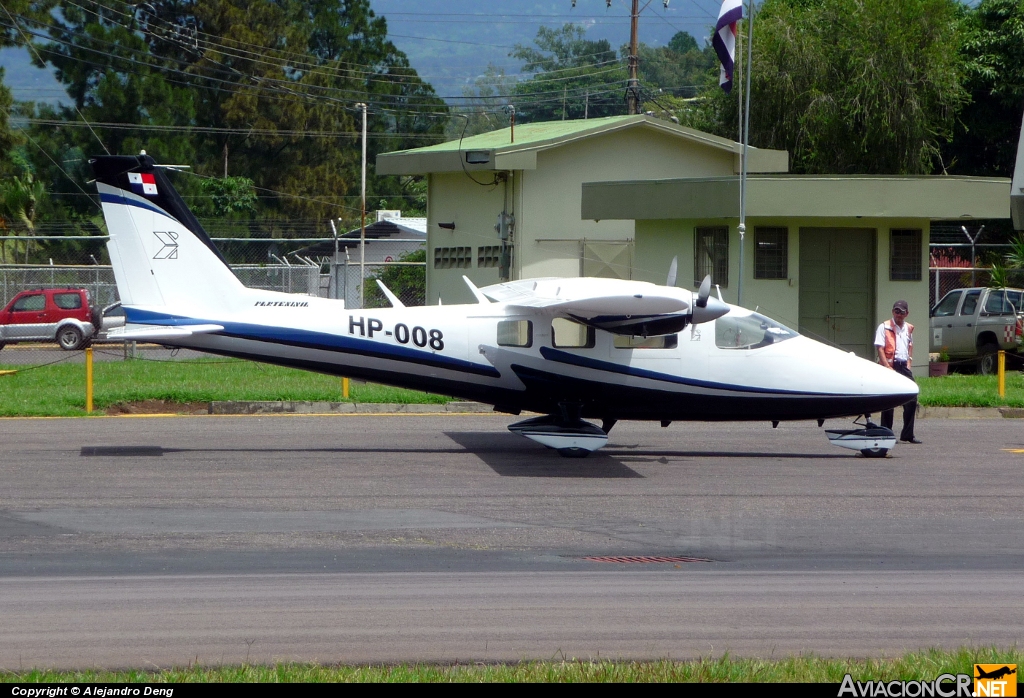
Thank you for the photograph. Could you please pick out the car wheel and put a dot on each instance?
(69, 338)
(988, 364)
(2, 345)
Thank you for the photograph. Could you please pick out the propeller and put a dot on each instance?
(672, 269)
(703, 292)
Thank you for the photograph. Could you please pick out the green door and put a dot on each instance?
(837, 287)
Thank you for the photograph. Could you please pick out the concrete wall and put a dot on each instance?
(657, 241)
(546, 204)
(454, 198)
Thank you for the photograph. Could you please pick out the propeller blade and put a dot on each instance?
(672, 269)
(704, 292)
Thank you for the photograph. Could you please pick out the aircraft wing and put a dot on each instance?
(147, 333)
(589, 297)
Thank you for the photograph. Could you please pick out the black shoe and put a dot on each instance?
(911, 440)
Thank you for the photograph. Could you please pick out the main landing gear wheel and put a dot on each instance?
(874, 452)
(572, 438)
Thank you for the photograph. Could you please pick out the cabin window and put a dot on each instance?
(34, 302)
(905, 255)
(488, 256)
(515, 333)
(771, 253)
(665, 341)
(749, 332)
(569, 334)
(947, 306)
(453, 257)
(711, 255)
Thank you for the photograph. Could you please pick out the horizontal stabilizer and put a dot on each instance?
(147, 333)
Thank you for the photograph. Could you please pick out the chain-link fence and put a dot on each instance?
(942, 280)
(323, 267)
(312, 266)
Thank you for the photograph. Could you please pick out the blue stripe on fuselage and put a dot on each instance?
(586, 362)
(315, 340)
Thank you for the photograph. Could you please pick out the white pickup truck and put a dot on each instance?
(975, 323)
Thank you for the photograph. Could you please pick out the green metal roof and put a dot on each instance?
(548, 133)
(502, 153)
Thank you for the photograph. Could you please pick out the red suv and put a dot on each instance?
(63, 315)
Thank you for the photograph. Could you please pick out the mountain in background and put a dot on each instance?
(450, 43)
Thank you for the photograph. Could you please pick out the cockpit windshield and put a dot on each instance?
(751, 331)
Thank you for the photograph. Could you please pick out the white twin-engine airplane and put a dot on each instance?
(569, 349)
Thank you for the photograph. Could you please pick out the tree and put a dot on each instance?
(485, 104)
(986, 134)
(680, 69)
(573, 77)
(409, 283)
(853, 86)
(269, 85)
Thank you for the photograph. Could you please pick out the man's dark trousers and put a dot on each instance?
(909, 409)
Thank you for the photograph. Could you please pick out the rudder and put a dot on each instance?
(160, 253)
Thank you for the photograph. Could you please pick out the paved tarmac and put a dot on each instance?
(162, 540)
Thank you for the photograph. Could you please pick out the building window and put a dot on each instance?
(905, 255)
(515, 333)
(488, 256)
(453, 257)
(570, 334)
(665, 341)
(711, 255)
(771, 253)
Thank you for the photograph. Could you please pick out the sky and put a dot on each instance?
(451, 42)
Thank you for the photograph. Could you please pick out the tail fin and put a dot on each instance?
(160, 253)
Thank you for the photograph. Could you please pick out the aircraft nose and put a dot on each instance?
(879, 380)
(712, 311)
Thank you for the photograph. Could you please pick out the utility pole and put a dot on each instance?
(633, 87)
(362, 224)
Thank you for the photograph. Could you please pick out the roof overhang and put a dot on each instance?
(801, 196)
(495, 151)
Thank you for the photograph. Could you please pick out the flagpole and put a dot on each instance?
(746, 142)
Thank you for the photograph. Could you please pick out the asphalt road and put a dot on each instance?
(142, 541)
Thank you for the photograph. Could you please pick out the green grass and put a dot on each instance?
(925, 666)
(59, 390)
(959, 390)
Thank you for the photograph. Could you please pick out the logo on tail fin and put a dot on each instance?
(170, 245)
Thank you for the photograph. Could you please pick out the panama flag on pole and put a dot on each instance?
(142, 183)
(724, 40)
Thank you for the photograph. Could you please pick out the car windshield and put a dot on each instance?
(751, 331)
(947, 306)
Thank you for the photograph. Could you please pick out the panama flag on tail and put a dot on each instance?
(724, 40)
(143, 183)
